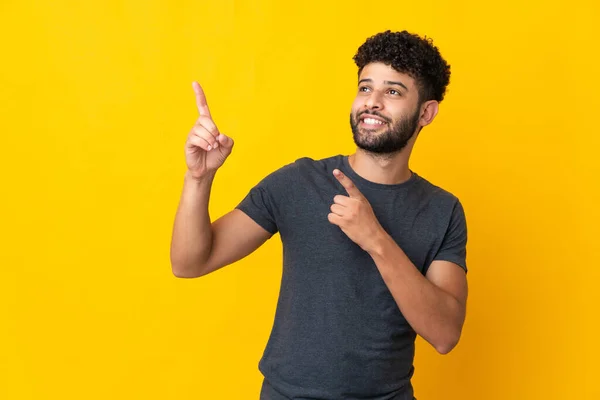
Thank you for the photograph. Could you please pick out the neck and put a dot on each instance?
(388, 169)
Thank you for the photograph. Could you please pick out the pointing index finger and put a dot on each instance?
(347, 184)
(201, 100)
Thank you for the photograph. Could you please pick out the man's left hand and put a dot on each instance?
(354, 215)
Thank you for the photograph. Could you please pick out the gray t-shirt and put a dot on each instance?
(338, 332)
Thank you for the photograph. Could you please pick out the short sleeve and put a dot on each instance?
(262, 203)
(454, 244)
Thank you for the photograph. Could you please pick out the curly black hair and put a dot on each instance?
(410, 54)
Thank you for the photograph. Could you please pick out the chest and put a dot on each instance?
(413, 223)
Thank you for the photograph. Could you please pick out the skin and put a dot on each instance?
(434, 304)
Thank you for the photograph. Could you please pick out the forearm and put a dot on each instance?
(192, 234)
(433, 313)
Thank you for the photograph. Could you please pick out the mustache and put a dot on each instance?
(375, 113)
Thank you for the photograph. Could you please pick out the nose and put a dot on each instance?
(374, 102)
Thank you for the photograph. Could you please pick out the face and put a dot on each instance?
(385, 113)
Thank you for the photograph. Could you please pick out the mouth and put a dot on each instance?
(371, 121)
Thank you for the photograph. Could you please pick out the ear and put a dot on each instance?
(429, 110)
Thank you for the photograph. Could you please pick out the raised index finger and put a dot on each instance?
(201, 100)
(347, 184)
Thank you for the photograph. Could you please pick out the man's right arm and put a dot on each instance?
(199, 247)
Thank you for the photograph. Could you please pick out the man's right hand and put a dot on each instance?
(206, 148)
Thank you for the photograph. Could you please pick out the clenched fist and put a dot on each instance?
(206, 148)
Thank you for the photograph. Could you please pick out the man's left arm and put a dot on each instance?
(434, 304)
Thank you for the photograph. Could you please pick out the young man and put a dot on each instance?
(373, 253)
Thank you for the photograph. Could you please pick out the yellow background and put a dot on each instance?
(95, 105)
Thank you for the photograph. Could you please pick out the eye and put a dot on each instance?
(394, 92)
(363, 88)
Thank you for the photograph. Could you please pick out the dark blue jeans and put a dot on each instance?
(268, 392)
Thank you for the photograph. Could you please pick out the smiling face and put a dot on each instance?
(385, 113)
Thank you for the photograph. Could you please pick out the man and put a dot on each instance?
(373, 253)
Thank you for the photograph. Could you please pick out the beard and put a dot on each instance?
(390, 141)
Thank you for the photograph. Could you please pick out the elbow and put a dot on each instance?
(446, 346)
(444, 349)
(180, 270)
(184, 263)
(182, 273)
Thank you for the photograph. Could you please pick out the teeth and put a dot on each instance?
(372, 121)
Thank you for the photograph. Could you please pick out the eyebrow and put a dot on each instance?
(386, 82)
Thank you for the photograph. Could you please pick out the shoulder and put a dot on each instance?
(301, 167)
(445, 210)
(436, 195)
(322, 164)
(309, 166)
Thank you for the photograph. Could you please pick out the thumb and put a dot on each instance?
(225, 141)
